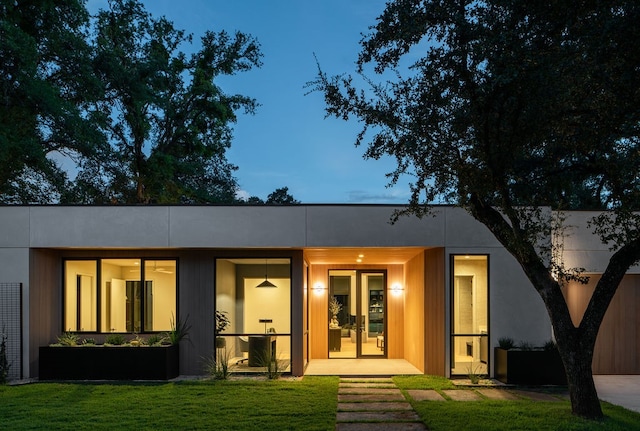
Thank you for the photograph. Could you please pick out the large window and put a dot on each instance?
(255, 297)
(470, 315)
(119, 295)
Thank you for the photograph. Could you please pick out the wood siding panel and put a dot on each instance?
(414, 291)
(298, 314)
(617, 349)
(434, 287)
(318, 312)
(395, 313)
(196, 294)
(45, 303)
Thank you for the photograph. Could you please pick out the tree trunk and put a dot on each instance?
(582, 389)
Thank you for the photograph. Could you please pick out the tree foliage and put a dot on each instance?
(167, 120)
(508, 106)
(45, 80)
(115, 100)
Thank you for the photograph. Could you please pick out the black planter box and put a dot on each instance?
(529, 367)
(108, 363)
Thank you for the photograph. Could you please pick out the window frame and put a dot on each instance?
(452, 315)
(98, 263)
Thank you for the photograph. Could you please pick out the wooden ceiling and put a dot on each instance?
(368, 256)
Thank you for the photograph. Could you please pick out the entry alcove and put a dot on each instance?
(109, 362)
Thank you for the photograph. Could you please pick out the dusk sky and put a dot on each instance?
(289, 142)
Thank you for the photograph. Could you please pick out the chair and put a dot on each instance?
(380, 341)
(244, 348)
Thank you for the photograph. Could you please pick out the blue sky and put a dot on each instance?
(288, 142)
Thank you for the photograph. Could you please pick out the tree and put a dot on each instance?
(279, 196)
(166, 119)
(44, 80)
(511, 106)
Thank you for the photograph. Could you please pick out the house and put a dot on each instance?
(437, 292)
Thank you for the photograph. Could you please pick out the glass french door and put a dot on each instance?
(358, 328)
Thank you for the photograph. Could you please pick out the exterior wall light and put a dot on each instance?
(319, 288)
(396, 289)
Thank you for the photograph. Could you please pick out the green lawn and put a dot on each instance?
(307, 404)
(489, 415)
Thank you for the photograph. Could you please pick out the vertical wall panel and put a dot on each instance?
(297, 313)
(414, 291)
(617, 349)
(318, 312)
(434, 292)
(45, 303)
(195, 302)
(395, 313)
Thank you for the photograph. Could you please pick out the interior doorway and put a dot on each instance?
(358, 314)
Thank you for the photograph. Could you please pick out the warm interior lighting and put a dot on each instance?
(266, 282)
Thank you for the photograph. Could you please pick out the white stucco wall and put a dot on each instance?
(582, 248)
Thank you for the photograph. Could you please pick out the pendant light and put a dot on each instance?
(266, 282)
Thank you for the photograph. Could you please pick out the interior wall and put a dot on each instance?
(75, 269)
(164, 299)
(267, 303)
(478, 269)
(617, 349)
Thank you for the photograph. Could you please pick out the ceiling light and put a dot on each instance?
(266, 282)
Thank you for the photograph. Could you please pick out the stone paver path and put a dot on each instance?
(374, 404)
(377, 403)
(425, 395)
(498, 394)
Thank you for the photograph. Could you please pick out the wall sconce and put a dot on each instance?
(319, 288)
(396, 289)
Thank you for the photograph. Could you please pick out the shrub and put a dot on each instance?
(524, 345)
(179, 330)
(155, 339)
(474, 374)
(89, 342)
(217, 366)
(506, 343)
(115, 339)
(68, 339)
(4, 361)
